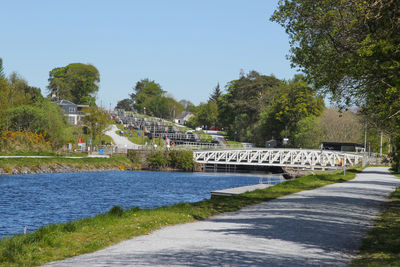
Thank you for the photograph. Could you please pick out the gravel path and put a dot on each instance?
(120, 141)
(324, 227)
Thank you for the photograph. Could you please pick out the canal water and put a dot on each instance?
(35, 200)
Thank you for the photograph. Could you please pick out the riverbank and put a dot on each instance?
(58, 164)
(61, 241)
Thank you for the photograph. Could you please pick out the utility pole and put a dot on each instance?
(380, 149)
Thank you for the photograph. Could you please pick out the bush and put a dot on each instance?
(23, 141)
(134, 157)
(69, 227)
(116, 211)
(181, 159)
(158, 160)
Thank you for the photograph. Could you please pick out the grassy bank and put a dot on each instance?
(57, 242)
(9, 165)
(382, 245)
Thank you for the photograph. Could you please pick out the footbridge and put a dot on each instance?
(294, 158)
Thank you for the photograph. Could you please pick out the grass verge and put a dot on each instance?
(37, 164)
(381, 247)
(56, 242)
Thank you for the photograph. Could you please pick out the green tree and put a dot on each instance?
(349, 49)
(207, 114)
(97, 120)
(43, 117)
(125, 104)
(144, 90)
(239, 109)
(20, 92)
(215, 94)
(309, 133)
(294, 101)
(76, 82)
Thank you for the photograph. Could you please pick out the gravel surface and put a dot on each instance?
(320, 227)
(120, 141)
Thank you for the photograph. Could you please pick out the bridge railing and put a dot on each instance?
(279, 157)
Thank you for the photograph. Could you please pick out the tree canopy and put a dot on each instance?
(144, 91)
(125, 104)
(76, 82)
(349, 49)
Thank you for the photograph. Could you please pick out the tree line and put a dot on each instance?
(23, 108)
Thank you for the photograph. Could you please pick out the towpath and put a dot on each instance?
(321, 227)
(120, 141)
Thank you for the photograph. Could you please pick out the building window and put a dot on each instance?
(71, 110)
(71, 120)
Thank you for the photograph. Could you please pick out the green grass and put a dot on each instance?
(139, 140)
(381, 247)
(116, 161)
(234, 143)
(56, 242)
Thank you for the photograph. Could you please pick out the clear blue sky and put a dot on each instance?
(186, 46)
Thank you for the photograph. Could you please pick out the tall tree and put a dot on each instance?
(76, 82)
(239, 109)
(125, 104)
(294, 101)
(144, 90)
(349, 49)
(215, 94)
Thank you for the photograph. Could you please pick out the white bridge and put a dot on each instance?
(296, 158)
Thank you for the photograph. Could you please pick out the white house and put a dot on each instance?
(73, 112)
(183, 117)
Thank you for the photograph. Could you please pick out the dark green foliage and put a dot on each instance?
(135, 209)
(176, 159)
(125, 104)
(149, 95)
(116, 211)
(239, 109)
(350, 50)
(134, 157)
(216, 94)
(158, 160)
(76, 82)
(13, 248)
(69, 227)
(181, 159)
(42, 117)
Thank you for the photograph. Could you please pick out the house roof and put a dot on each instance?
(63, 102)
(183, 115)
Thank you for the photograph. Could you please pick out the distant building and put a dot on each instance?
(340, 146)
(183, 117)
(73, 112)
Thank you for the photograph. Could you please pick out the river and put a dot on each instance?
(35, 200)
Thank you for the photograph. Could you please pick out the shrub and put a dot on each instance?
(116, 211)
(158, 160)
(23, 141)
(134, 157)
(181, 159)
(12, 250)
(69, 227)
